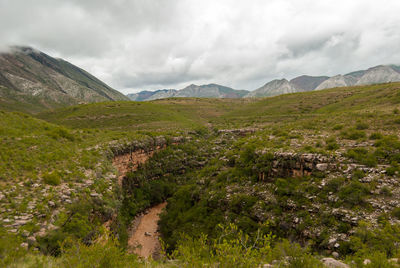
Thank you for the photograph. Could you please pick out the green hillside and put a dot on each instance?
(286, 180)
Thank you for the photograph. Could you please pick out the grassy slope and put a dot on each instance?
(191, 112)
(31, 146)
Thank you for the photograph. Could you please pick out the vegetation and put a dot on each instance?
(305, 176)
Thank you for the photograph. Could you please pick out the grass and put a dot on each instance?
(214, 178)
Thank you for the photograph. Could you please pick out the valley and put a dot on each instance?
(296, 180)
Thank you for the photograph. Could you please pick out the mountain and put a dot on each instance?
(152, 95)
(163, 94)
(338, 81)
(31, 80)
(210, 91)
(273, 88)
(379, 74)
(375, 75)
(307, 83)
(203, 91)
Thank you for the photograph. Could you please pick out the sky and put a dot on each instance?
(135, 45)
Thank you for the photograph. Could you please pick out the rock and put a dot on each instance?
(31, 240)
(24, 245)
(366, 261)
(394, 260)
(267, 265)
(332, 263)
(322, 166)
(51, 204)
(20, 222)
(41, 233)
(94, 194)
(335, 254)
(147, 234)
(332, 241)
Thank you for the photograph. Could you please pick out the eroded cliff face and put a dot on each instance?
(127, 157)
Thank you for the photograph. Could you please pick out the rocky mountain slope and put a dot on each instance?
(34, 80)
(275, 87)
(203, 91)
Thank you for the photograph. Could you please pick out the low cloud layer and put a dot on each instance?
(145, 44)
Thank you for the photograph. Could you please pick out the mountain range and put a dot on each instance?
(31, 80)
(375, 75)
(35, 81)
(203, 91)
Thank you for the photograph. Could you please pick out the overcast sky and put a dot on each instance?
(134, 45)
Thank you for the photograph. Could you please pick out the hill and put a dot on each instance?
(32, 81)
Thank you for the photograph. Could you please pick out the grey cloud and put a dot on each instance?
(149, 44)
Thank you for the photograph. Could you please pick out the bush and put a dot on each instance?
(337, 127)
(52, 178)
(361, 126)
(362, 156)
(375, 136)
(354, 193)
(358, 174)
(353, 134)
(232, 248)
(396, 212)
(331, 144)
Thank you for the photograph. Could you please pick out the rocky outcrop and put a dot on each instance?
(298, 165)
(128, 156)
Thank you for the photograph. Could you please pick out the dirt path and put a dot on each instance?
(144, 241)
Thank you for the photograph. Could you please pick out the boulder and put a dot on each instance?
(332, 263)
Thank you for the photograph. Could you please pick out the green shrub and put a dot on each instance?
(386, 191)
(358, 174)
(368, 240)
(52, 178)
(353, 193)
(375, 136)
(353, 134)
(362, 156)
(331, 144)
(232, 248)
(361, 126)
(337, 127)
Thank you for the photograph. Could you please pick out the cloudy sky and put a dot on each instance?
(146, 44)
